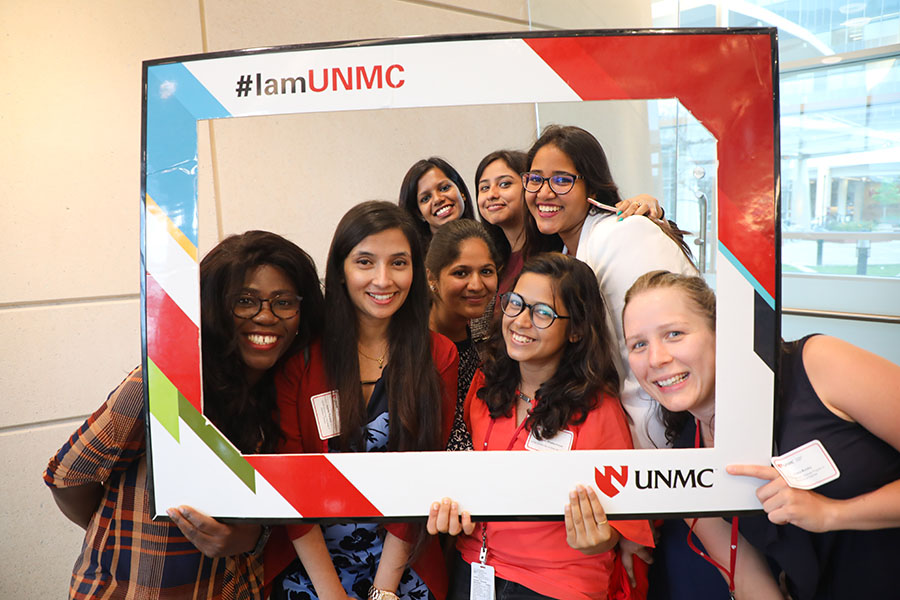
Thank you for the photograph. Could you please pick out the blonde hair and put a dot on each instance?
(704, 300)
(694, 287)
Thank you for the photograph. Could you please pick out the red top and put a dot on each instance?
(535, 553)
(301, 380)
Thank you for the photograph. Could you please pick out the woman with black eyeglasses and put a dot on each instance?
(548, 383)
(570, 192)
(260, 302)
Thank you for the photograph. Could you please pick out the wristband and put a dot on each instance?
(261, 542)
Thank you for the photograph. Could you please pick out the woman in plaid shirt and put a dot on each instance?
(260, 301)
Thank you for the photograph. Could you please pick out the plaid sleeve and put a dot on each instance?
(110, 440)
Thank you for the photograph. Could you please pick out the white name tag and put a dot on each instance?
(807, 467)
(481, 586)
(561, 441)
(328, 417)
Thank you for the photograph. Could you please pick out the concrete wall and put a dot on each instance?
(69, 187)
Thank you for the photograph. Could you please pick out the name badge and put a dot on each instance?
(328, 418)
(807, 467)
(481, 585)
(561, 441)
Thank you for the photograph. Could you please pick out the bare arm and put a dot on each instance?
(317, 561)
(78, 503)
(857, 386)
(394, 556)
(752, 578)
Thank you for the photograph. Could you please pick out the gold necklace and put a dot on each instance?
(380, 361)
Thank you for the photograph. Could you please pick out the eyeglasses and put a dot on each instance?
(561, 183)
(542, 315)
(283, 306)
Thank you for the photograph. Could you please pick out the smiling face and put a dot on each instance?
(529, 346)
(465, 287)
(438, 199)
(263, 339)
(672, 350)
(378, 273)
(562, 214)
(500, 195)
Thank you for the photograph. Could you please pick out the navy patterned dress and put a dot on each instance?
(356, 547)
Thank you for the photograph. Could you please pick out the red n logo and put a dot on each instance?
(604, 479)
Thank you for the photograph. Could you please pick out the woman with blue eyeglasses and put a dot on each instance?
(570, 192)
(500, 196)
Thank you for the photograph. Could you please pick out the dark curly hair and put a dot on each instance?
(247, 415)
(587, 366)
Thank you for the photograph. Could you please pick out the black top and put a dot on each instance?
(460, 438)
(836, 564)
(677, 572)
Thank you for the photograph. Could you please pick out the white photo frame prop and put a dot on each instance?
(726, 78)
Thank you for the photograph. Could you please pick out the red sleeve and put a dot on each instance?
(295, 384)
(446, 361)
(606, 429)
(287, 387)
(471, 397)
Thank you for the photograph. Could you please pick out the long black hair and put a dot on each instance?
(587, 366)
(409, 193)
(535, 242)
(590, 161)
(447, 242)
(413, 383)
(247, 415)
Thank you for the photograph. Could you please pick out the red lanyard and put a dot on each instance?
(512, 442)
(734, 534)
(711, 560)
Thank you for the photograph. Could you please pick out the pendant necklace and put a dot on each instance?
(380, 361)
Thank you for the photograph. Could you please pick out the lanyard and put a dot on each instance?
(515, 435)
(512, 442)
(734, 534)
(711, 560)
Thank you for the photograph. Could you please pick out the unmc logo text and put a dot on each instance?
(650, 479)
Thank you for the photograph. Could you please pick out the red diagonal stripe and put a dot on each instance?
(734, 101)
(313, 486)
(173, 342)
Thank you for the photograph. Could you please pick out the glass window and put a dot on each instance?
(840, 126)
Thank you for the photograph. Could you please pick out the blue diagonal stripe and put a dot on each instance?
(175, 101)
(750, 278)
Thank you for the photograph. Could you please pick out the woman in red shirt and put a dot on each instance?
(548, 381)
(376, 381)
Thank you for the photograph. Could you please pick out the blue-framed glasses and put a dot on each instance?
(561, 183)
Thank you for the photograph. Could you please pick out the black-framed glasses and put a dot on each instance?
(542, 315)
(283, 306)
(561, 183)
